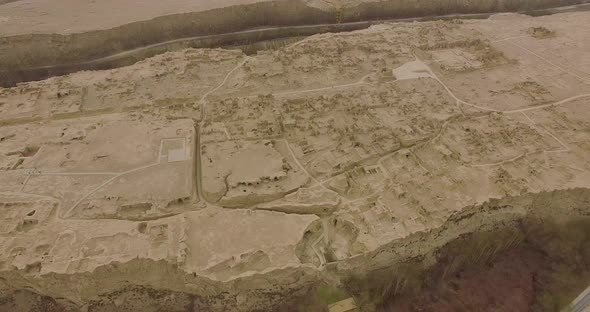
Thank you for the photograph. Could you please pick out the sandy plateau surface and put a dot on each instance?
(225, 166)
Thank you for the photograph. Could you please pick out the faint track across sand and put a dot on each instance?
(565, 70)
(203, 106)
(523, 111)
(361, 81)
(323, 237)
(581, 303)
(519, 110)
(107, 182)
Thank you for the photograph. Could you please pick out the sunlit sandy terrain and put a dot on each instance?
(234, 181)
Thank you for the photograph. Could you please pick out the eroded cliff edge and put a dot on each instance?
(157, 283)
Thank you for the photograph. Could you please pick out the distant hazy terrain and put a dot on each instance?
(77, 16)
(71, 16)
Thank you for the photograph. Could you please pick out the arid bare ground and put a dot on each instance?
(251, 177)
(74, 16)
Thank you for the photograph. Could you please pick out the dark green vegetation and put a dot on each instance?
(41, 50)
(128, 299)
(316, 299)
(411, 8)
(540, 265)
(39, 56)
(525, 253)
(275, 44)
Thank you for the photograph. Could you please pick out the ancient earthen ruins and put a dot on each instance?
(230, 182)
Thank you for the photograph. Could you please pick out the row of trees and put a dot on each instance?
(417, 8)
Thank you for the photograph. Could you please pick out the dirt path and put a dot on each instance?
(323, 237)
(512, 111)
(198, 129)
(581, 303)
